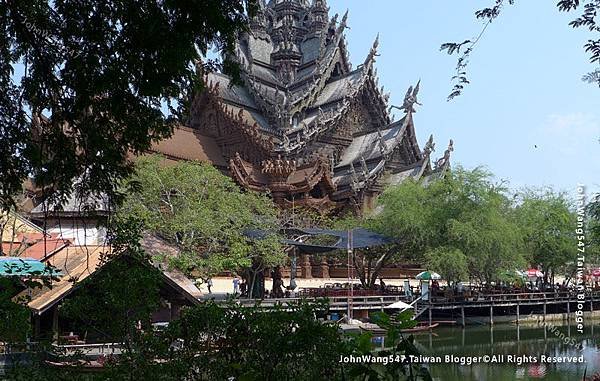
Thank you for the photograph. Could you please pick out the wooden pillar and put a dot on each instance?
(462, 313)
(324, 267)
(306, 267)
(544, 310)
(36, 326)
(429, 314)
(518, 312)
(491, 315)
(55, 332)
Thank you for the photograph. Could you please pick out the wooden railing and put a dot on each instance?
(529, 297)
(336, 303)
(375, 302)
(87, 349)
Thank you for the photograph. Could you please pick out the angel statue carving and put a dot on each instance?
(410, 99)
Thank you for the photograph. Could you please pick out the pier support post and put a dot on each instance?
(491, 315)
(429, 314)
(462, 313)
(544, 310)
(518, 312)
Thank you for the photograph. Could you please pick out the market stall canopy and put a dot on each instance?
(399, 305)
(534, 273)
(428, 275)
(361, 238)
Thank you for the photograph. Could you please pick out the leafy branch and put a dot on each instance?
(587, 19)
(460, 78)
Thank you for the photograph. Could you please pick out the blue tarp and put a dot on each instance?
(16, 266)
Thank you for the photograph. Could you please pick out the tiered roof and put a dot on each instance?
(301, 102)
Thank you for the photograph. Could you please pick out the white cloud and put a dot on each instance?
(571, 134)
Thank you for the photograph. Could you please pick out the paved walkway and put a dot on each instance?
(224, 285)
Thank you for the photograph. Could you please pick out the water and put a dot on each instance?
(553, 339)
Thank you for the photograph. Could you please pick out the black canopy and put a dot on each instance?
(361, 238)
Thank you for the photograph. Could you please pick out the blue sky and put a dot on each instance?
(525, 90)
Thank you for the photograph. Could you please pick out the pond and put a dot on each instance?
(518, 350)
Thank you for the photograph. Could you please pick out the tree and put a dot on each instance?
(205, 215)
(464, 212)
(450, 263)
(402, 217)
(123, 292)
(93, 78)
(587, 19)
(14, 314)
(593, 229)
(287, 342)
(547, 221)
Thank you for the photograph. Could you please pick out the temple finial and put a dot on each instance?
(373, 52)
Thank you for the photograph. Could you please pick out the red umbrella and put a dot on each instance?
(533, 273)
(596, 272)
(536, 370)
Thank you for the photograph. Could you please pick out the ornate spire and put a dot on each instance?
(444, 161)
(372, 53)
(429, 146)
(259, 22)
(319, 13)
(410, 99)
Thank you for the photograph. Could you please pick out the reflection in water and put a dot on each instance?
(551, 339)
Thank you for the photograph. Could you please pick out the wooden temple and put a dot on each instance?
(303, 124)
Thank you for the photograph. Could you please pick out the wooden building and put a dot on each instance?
(303, 124)
(78, 265)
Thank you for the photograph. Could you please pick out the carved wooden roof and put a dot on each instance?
(188, 144)
(281, 177)
(300, 101)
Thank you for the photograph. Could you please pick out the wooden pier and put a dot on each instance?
(494, 305)
(539, 302)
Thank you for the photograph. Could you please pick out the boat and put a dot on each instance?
(376, 330)
(445, 322)
(419, 328)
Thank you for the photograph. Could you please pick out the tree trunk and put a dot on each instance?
(381, 261)
(251, 288)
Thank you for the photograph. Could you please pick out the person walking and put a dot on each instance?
(209, 284)
(236, 285)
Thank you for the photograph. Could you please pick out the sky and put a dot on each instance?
(525, 90)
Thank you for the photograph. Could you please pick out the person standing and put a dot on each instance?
(209, 284)
(381, 285)
(236, 285)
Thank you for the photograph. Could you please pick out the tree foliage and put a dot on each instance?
(219, 342)
(205, 214)
(465, 212)
(82, 83)
(108, 305)
(451, 263)
(587, 19)
(547, 221)
(593, 229)
(14, 314)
